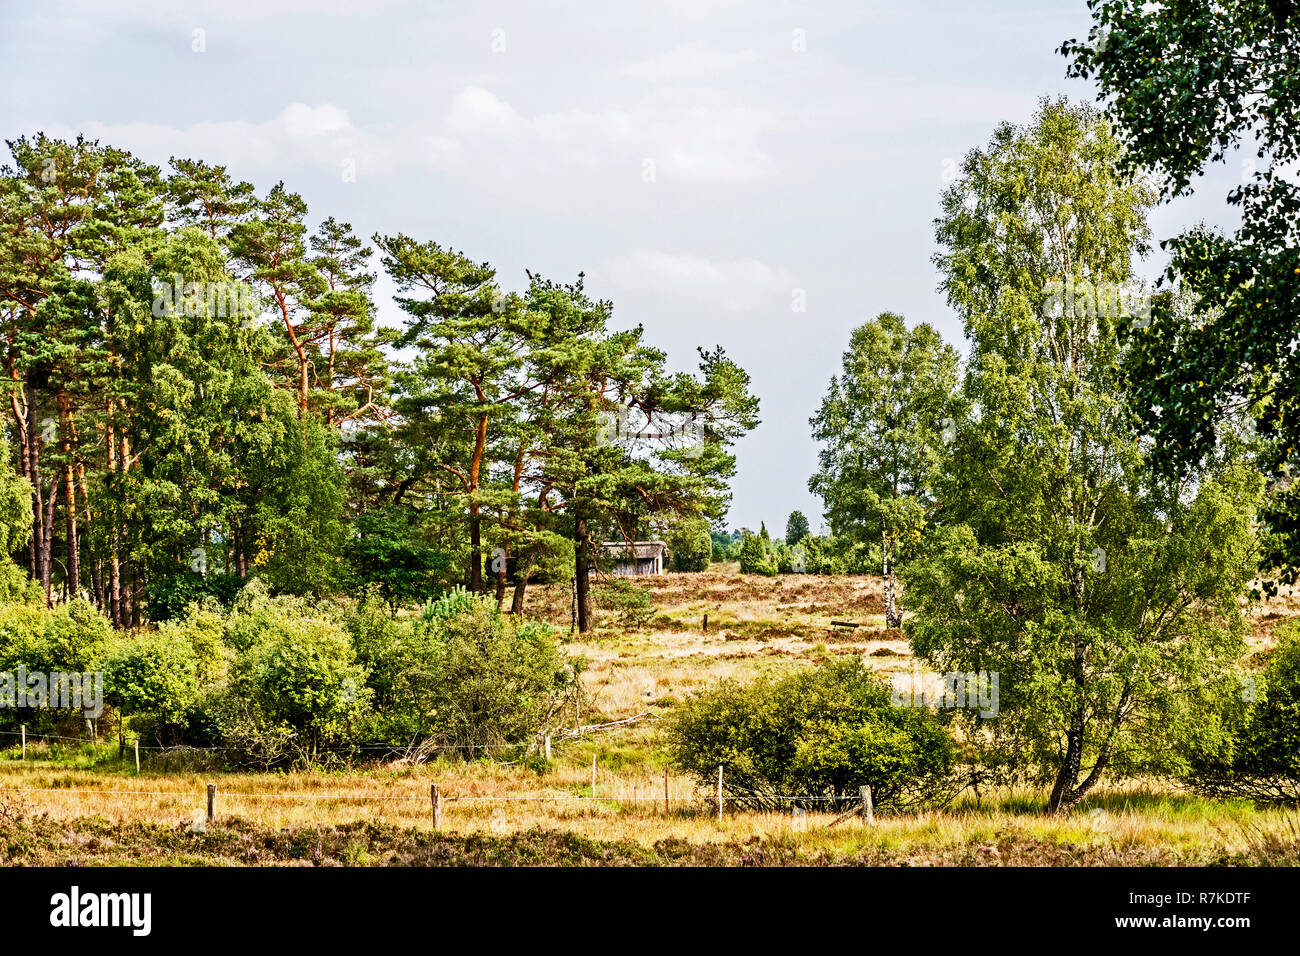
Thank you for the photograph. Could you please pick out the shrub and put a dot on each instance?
(1257, 753)
(203, 630)
(154, 673)
(68, 637)
(632, 604)
(472, 679)
(689, 545)
(302, 674)
(169, 597)
(817, 736)
(754, 557)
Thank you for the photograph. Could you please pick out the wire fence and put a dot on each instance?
(181, 748)
(608, 788)
(605, 788)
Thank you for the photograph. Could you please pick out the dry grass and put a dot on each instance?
(756, 626)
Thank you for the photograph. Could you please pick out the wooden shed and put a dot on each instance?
(639, 557)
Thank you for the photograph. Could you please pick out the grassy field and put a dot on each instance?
(74, 803)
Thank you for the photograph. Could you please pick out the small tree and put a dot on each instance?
(153, 674)
(796, 528)
(690, 546)
(754, 558)
(1103, 597)
(882, 426)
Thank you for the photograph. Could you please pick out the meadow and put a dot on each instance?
(73, 802)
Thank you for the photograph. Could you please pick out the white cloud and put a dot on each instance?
(690, 135)
(733, 285)
(322, 136)
(690, 63)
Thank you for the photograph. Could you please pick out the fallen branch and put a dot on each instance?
(577, 732)
(844, 816)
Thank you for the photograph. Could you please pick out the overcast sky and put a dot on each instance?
(706, 163)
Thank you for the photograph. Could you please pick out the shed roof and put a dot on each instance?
(643, 549)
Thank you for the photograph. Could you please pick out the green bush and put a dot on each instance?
(816, 736)
(170, 596)
(204, 630)
(68, 637)
(690, 547)
(302, 674)
(154, 674)
(1256, 754)
(632, 604)
(754, 557)
(489, 679)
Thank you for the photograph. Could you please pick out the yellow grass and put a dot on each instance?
(756, 626)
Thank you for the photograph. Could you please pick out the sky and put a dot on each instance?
(762, 176)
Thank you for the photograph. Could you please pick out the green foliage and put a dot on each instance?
(1185, 88)
(387, 550)
(817, 735)
(1257, 755)
(169, 597)
(497, 680)
(1102, 596)
(300, 674)
(882, 427)
(689, 545)
(620, 596)
(154, 674)
(755, 558)
(69, 637)
(15, 528)
(796, 528)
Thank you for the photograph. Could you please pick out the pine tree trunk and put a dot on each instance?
(114, 561)
(501, 582)
(475, 550)
(581, 572)
(70, 522)
(73, 569)
(24, 456)
(517, 599)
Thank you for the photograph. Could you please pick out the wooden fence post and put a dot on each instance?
(212, 802)
(435, 796)
(719, 793)
(868, 813)
(137, 755)
(706, 624)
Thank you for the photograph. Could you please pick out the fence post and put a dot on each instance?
(868, 813)
(706, 624)
(212, 802)
(666, 810)
(137, 755)
(435, 796)
(24, 741)
(719, 793)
